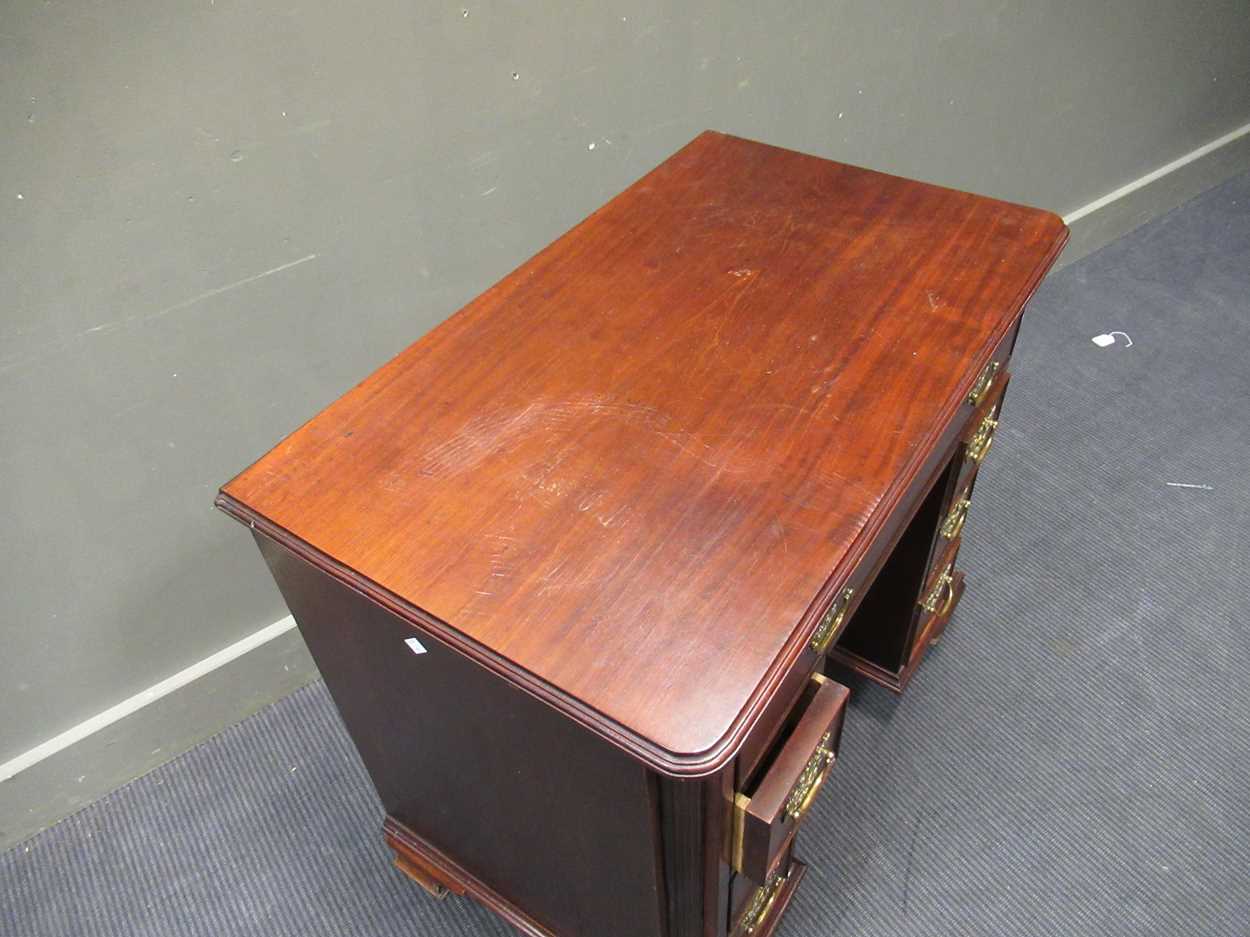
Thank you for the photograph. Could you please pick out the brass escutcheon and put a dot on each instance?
(809, 782)
(985, 380)
(946, 583)
(955, 518)
(982, 439)
(761, 903)
(832, 621)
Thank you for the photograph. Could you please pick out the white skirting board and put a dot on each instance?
(106, 717)
(1164, 188)
(65, 773)
(1154, 175)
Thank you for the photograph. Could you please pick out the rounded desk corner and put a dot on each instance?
(696, 757)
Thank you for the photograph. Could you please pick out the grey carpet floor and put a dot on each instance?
(1073, 759)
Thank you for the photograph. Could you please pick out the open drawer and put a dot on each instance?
(768, 812)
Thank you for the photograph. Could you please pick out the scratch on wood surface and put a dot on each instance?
(500, 545)
(543, 424)
(554, 580)
(779, 532)
(589, 501)
(611, 520)
(393, 481)
(735, 294)
(491, 435)
(786, 235)
(682, 442)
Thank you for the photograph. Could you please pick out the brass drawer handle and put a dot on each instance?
(810, 781)
(832, 621)
(982, 439)
(956, 517)
(761, 903)
(985, 380)
(946, 583)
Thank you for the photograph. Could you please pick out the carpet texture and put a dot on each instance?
(1072, 759)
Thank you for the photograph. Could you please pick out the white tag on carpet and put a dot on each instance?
(1102, 341)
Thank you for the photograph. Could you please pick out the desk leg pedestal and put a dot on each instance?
(417, 861)
(439, 877)
(917, 588)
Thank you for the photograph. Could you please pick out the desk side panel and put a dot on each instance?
(550, 817)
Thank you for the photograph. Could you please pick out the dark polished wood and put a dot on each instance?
(500, 784)
(636, 465)
(576, 565)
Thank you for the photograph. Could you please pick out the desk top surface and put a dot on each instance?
(622, 476)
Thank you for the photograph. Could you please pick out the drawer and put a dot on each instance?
(766, 816)
(937, 598)
(978, 441)
(952, 526)
(978, 434)
(748, 899)
(988, 383)
(933, 623)
(992, 378)
(760, 908)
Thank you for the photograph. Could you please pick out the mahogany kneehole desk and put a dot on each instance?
(578, 566)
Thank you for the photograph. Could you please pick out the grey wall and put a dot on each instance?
(217, 216)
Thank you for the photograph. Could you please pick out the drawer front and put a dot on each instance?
(977, 443)
(748, 898)
(933, 623)
(938, 595)
(978, 435)
(992, 377)
(753, 904)
(766, 817)
(952, 526)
